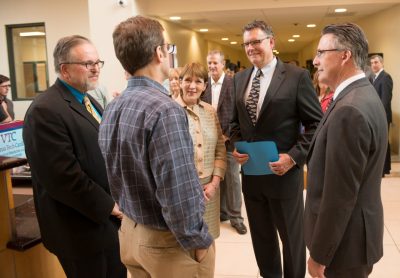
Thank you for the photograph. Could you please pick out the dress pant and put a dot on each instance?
(105, 264)
(355, 272)
(267, 218)
(231, 192)
(387, 165)
(150, 253)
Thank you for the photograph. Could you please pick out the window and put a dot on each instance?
(27, 58)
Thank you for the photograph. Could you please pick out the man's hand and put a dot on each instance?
(116, 212)
(315, 269)
(240, 158)
(284, 164)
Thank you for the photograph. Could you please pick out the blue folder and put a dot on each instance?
(260, 154)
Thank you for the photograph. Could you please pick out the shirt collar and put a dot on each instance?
(220, 80)
(134, 81)
(346, 83)
(180, 101)
(267, 67)
(379, 72)
(77, 94)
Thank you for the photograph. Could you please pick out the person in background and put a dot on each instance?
(219, 93)
(173, 77)
(78, 218)
(324, 93)
(343, 217)
(100, 94)
(383, 84)
(204, 127)
(272, 100)
(231, 69)
(145, 140)
(6, 105)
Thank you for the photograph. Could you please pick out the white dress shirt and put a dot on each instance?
(216, 90)
(346, 83)
(265, 81)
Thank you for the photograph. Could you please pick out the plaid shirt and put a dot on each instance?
(148, 150)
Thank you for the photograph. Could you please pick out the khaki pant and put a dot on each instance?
(152, 253)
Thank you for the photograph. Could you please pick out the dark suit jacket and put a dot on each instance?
(343, 212)
(289, 102)
(225, 104)
(10, 110)
(71, 191)
(384, 87)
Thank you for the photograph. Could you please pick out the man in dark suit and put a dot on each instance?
(383, 84)
(219, 93)
(77, 216)
(343, 212)
(273, 100)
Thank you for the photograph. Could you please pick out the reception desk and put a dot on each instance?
(22, 254)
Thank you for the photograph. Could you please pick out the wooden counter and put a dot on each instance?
(33, 260)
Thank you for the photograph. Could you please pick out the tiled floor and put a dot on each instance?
(235, 258)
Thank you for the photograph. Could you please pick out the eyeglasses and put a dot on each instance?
(5, 86)
(254, 43)
(320, 52)
(170, 47)
(89, 64)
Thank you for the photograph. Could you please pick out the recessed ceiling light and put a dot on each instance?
(203, 30)
(175, 17)
(311, 25)
(340, 10)
(225, 39)
(296, 36)
(31, 34)
(291, 40)
(233, 42)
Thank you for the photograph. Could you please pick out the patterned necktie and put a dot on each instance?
(329, 104)
(89, 108)
(252, 100)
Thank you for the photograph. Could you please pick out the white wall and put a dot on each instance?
(383, 34)
(104, 16)
(60, 18)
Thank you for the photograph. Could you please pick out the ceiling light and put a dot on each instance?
(291, 40)
(340, 10)
(31, 34)
(203, 30)
(233, 42)
(175, 17)
(296, 36)
(311, 25)
(224, 39)
(277, 52)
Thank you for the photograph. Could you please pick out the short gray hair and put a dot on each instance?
(259, 24)
(380, 58)
(350, 36)
(216, 52)
(63, 48)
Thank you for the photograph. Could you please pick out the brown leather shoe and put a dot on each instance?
(240, 228)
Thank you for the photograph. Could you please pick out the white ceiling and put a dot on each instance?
(225, 18)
